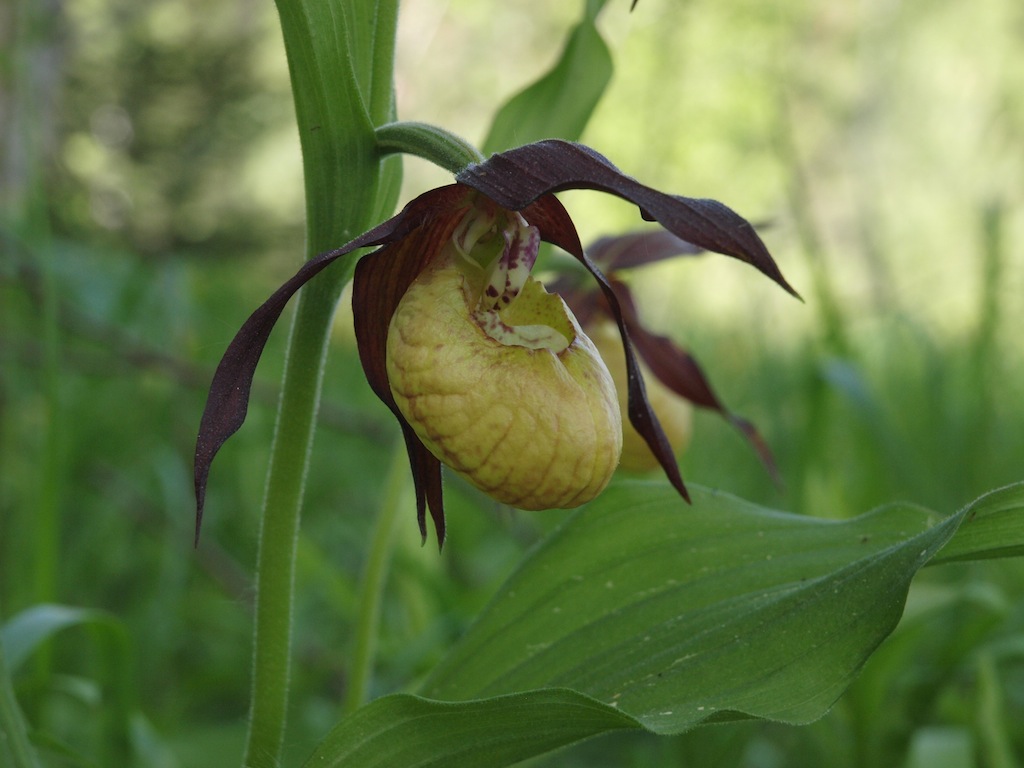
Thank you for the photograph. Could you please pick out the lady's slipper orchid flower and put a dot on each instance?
(484, 370)
(675, 378)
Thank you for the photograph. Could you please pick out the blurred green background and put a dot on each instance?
(151, 193)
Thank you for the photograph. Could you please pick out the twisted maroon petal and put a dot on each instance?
(678, 370)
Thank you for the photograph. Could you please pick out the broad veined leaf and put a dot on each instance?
(679, 614)
(993, 526)
(560, 103)
(409, 731)
(642, 612)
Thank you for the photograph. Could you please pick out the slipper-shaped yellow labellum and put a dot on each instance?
(514, 398)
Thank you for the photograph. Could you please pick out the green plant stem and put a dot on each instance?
(375, 574)
(13, 729)
(279, 529)
(340, 60)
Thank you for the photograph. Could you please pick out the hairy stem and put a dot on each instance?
(340, 59)
(279, 529)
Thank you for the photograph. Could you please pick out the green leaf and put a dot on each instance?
(684, 614)
(993, 527)
(410, 731)
(642, 612)
(26, 631)
(560, 103)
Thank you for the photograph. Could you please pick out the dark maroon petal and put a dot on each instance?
(426, 476)
(638, 248)
(380, 282)
(678, 370)
(228, 400)
(548, 215)
(516, 178)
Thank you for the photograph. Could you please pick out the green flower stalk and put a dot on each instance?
(483, 369)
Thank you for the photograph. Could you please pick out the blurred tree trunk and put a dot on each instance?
(30, 81)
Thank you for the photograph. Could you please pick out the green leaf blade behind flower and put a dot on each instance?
(560, 103)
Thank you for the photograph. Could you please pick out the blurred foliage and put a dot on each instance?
(151, 189)
(176, 127)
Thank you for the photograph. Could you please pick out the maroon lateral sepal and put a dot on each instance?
(228, 400)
